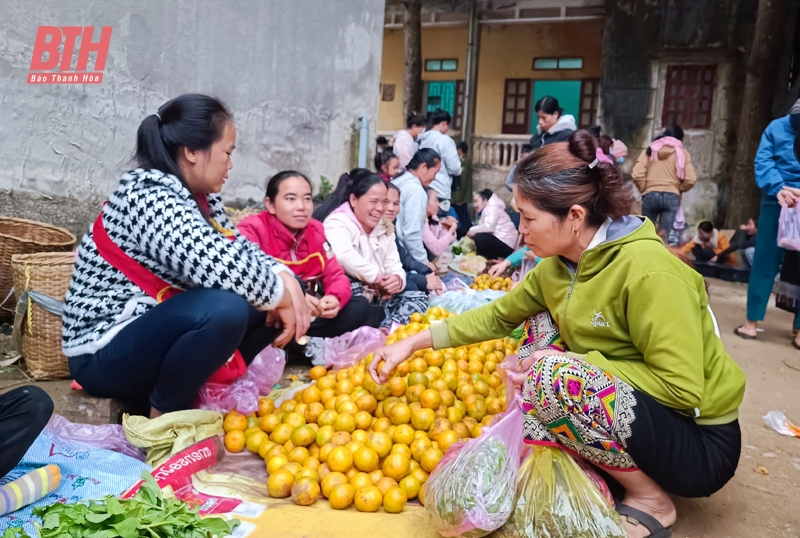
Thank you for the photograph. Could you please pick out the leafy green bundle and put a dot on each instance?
(148, 514)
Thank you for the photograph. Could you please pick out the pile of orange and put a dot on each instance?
(352, 441)
(486, 282)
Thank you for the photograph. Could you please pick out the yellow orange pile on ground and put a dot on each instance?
(353, 441)
(486, 282)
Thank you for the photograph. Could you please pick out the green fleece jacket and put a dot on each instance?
(631, 308)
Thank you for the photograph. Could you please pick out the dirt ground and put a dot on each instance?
(752, 504)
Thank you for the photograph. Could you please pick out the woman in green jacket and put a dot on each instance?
(645, 389)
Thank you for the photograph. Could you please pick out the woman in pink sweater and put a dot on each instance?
(437, 236)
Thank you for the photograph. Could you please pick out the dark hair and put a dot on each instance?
(426, 156)
(192, 121)
(342, 192)
(605, 142)
(549, 105)
(464, 147)
(429, 190)
(526, 148)
(438, 116)
(707, 226)
(383, 158)
(274, 183)
(415, 120)
(557, 176)
(381, 140)
(485, 194)
(391, 186)
(675, 131)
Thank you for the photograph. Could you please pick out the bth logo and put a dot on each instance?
(46, 55)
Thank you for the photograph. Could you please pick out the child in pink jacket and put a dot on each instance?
(437, 236)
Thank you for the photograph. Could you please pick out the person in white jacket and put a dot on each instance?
(495, 235)
(364, 245)
(436, 138)
(405, 143)
(421, 172)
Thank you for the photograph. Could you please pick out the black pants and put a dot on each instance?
(490, 247)
(464, 222)
(354, 315)
(24, 413)
(168, 353)
(704, 254)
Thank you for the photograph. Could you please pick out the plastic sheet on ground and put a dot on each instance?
(463, 300)
(778, 422)
(242, 395)
(86, 473)
(346, 350)
(107, 436)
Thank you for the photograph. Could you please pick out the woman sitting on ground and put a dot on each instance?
(387, 164)
(648, 394)
(437, 236)
(287, 232)
(419, 276)
(128, 332)
(523, 258)
(365, 247)
(495, 235)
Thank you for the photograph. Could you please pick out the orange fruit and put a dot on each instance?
(454, 415)
(279, 484)
(266, 406)
(487, 420)
(368, 499)
(439, 425)
(340, 459)
(312, 462)
(395, 500)
(266, 446)
(305, 491)
(397, 386)
(323, 471)
(254, 441)
(476, 430)
(313, 411)
(422, 419)
(276, 450)
(430, 399)
(281, 434)
(318, 372)
(303, 436)
(295, 420)
(382, 424)
(434, 358)
(410, 485)
(481, 387)
(430, 458)
(345, 386)
(360, 480)
(299, 455)
(385, 484)
(324, 435)
(345, 422)
(418, 378)
(420, 475)
(234, 421)
(380, 442)
(376, 476)
(400, 414)
(403, 434)
(446, 439)
(477, 410)
(348, 407)
(367, 402)
(351, 473)
(326, 383)
(366, 459)
(419, 446)
(324, 451)
(288, 406)
(341, 496)
(396, 466)
(353, 446)
(292, 467)
(327, 417)
(340, 438)
(360, 435)
(235, 441)
(268, 423)
(461, 429)
(301, 409)
(308, 472)
(363, 420)
(331, 481)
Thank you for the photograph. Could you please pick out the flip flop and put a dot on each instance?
(794, 343)
(637, 517)
(743, 335)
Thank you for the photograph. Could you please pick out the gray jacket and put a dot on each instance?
(410, 222)
(451, 163)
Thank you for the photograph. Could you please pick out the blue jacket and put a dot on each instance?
(775, 163)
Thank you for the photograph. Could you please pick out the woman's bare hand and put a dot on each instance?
(386, 360)
(527, 363)
(789, 196)
(301, 312)
(499, 268)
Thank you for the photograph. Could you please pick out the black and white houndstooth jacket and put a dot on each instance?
(153, 218)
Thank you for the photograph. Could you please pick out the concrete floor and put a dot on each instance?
(752, 504)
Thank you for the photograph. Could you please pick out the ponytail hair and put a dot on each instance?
(485, 194)
(353, 182)
(558, 176)
(427, 156)
(192, 121)
(383, 158)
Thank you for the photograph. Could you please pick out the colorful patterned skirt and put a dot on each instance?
(572, 404)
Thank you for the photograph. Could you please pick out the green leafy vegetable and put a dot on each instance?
(147, 515)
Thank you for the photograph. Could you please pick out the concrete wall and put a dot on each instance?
(507, 51)
(296, 74)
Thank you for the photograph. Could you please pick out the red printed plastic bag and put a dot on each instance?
(473, 489)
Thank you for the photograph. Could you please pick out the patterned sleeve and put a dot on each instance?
(172, 231)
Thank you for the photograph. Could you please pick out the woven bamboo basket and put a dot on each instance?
(48, 273)
(20, 236)
(238, 215)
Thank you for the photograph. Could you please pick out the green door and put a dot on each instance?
(441, 95)
(568, 93)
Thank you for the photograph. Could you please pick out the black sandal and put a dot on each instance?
(637, 517)
(743, 335)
